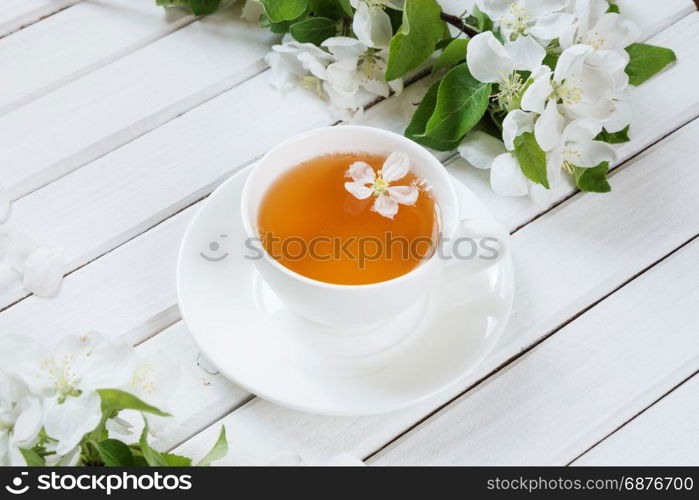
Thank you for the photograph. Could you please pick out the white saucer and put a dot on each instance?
(255, 341)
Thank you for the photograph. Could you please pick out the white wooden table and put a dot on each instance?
(117, 118)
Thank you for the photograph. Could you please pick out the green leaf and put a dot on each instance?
(416, 128)
(613, 8)
(153, 458)
(203, 7)
(172, 460)
(284, 10)
(314, 30)
(482, 21)
(114, 453)
(415, 41)
(218, 451)
(593, 179)
(614, 137)
(172, 3)
(461, 103)
(452, 54)
(32, 458)
(551, 60)
(333, 9)
(647, 61)
(115, 400)
(532, 159)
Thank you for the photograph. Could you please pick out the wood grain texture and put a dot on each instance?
(667, 433)
(565, 262)
(251, 118)
(129, 293)
(567, 393)
(16, 14)
(75, 42)
(114, 104)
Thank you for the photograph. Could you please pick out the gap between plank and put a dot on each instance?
(612, 171)
(527, 349)
(33, 18)
(204, 192)
(105, 61)
(632, 418)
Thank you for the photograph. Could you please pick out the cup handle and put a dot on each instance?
(480, 229)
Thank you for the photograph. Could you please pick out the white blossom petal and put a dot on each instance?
(69, 421)
(506, 177)
(480, 149)
(15, 247)
(385, 206)
(610, 61)
(372, 26)
(282, 77)
(620, 118)
(551, 26)
(395, 167)
(375, 84)
(581, 131)
(526, 53)
(516, 123)
(362, 172)
(396, 85)
(595, 152)
(109, 365)
(4, 447)
(536, 9)
(571, 61)
(405, 195)
(312, 65)
(535, 96)
(342, 76)
(252, 11)
(457, 7)
(358, 190)
(496, 9)
(345, 47)
(487, 58)
(28, 423)
(539, 195)
(613, 32)
(43, 271)
(549, 127)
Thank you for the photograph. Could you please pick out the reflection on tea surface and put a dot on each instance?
(311, 224)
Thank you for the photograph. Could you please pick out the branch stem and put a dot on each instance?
(458, 24)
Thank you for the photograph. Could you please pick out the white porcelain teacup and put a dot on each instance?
(363, 305)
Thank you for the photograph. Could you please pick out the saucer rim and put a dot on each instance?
(506, 264)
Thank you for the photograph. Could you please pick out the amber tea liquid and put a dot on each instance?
(312, 225)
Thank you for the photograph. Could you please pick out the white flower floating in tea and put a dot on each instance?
(367, 183)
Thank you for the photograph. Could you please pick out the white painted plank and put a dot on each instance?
(83, 213)
(129, 295)
(667, 433)
(75, 41)
(648, 16)
(111, 106)
(556, 401)
(660, 105)
(200, 393)
(361, 439)
(564, 262)
(16, 14)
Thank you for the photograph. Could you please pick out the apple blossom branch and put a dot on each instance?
(459, 24)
